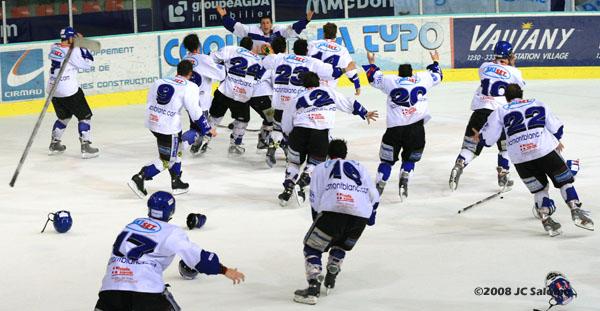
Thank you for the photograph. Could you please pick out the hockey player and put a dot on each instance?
(206, 71)
(286, 69)
(140, 254)
(407, 112)
(343, 200)
(335, 54)
(309, 122)
(494, 76)
(166, 97)
(68, 99)
(266, 32)
(244, 71)
(533, 136)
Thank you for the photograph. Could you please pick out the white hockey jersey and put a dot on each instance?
(142, 251)
(166, 97)
(532, 131)
(206, 71)
(332, 53)
(80, 58)
(494, 79)
(343, 186)
(285, 70)
(258, 36)
(315, 108)
(244, 71)
(407, 96)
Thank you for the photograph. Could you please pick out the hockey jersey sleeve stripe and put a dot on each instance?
(85, 54)
(202, 123)
(255, 36)
(435, 68)
(559, 133)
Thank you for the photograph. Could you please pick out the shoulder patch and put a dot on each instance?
(145, 225)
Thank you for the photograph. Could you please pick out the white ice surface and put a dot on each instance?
(420, 255)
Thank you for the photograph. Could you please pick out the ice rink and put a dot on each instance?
(420, 255)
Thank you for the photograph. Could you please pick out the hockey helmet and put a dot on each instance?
(67, 33)
(186, 272)
(161, 206)
(559, 288)
(61, 220)
(503, 49)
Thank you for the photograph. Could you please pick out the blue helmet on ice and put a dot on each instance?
(67, 33)
(61, 220)
(559, 288)
(503, 49)
(161, 206)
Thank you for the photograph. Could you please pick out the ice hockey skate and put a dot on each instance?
(263, 140)
(270, 160)
(309, 295)
(403, 185)
(137, 185)
(580, 216)
(178, 186)
(236, 150)
(455, 174)
(302, 183)
(87, 151)
(56, 147)
(504, 180)
(332, 273)
(551, 226)
(285, 196)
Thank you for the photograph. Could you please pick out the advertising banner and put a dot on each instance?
(244, 11)
(537, 41)
(394, 41)
(176, 14)
(121, 65)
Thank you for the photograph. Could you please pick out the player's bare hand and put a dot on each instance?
(372, 116)
(213, 132)
(236, 276)
(512, 60)
(309, 15)
(79, 35)
(475, 135)
(560, 147)
(435, 56)
(356, 92)
(371, 57)
(221, 11)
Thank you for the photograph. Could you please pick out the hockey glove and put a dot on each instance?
(371, 221)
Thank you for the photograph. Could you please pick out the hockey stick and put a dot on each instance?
(499, 193)
(40, 118)
(79, 42)
(231, 128)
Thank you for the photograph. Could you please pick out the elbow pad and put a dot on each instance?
(209, 263)
(370, 70)
(229, 23)
(435, 67)
(359, 110)
(202, 123)
(353, 77)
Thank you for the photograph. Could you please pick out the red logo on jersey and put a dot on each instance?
(57, 53)
(239, 90)
(123, 271)
(408, 112)
(285, 98)
(147, 225)
(316, 117)
(527, 147)
(153, 118)
(346, 198)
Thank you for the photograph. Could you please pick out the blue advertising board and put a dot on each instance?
(22, 74)
(537, 41)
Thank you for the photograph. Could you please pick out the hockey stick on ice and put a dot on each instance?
(481, 201)
(230, 126)
(79, 42)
